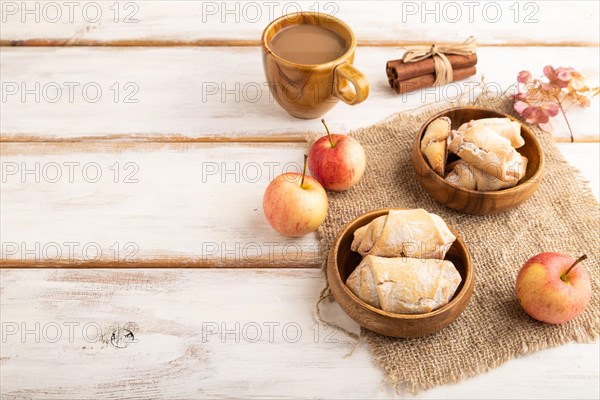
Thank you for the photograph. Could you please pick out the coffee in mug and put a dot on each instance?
(308, 44)
(308, 59)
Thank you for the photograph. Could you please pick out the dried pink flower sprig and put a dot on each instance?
(538, 101)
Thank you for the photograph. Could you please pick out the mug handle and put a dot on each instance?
(347, 72)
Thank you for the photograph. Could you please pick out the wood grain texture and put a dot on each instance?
(145, 205)
(183, 96)
(473, 201)
(310, 91)
(182, 349)
(342, 261)
(170, 213)
(195, 204)
(159, 23)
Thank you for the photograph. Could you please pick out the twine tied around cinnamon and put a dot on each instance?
(443, 68)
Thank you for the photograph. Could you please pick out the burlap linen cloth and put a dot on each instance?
(563, 215)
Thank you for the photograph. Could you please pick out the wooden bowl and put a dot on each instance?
(472, 201)
(342, 261)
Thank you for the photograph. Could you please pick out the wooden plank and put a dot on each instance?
(158, 204)
(187, 343)
(186, 94)
(145, 205)
(586, 158)
(387, 23)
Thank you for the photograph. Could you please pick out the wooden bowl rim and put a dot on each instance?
(534, 178)
(455, 299)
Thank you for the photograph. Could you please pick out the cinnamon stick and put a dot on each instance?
(428, 80)
(398, 70)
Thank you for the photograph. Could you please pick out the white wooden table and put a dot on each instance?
(157, 153)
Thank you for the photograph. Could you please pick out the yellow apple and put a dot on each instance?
(553, 287)
(295, 204)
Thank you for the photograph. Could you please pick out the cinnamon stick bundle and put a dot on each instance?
(423, 81)
(405, 77)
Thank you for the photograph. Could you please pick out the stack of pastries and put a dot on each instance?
(403, 268)
(488, 159)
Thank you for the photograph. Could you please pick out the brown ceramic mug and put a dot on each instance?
(310, 90)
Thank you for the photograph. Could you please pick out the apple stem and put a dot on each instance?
(580, 259)
(328, 133)
(304, 171)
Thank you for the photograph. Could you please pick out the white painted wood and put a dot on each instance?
(199, 92)
(190, 204)
(173, 359)
(193, 203)
(586, 158)
(170, 208)
(385, 22)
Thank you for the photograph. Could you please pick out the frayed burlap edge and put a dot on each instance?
(421, 113)
(586, 334)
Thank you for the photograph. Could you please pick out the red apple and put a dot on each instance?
(336, 161)
(553, 287)
(295, 204)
